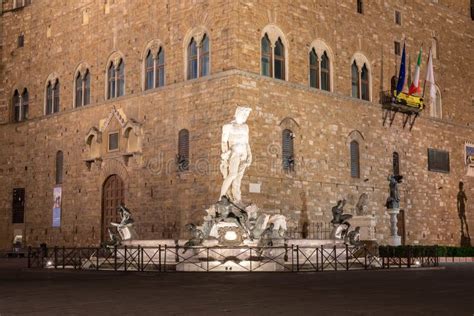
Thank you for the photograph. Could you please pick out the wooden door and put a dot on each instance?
(112, 196)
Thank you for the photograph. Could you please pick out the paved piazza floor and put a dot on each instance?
(444, 291)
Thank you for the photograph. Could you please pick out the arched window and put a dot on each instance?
(355, 80)
(198, 56)
(192, 60)
(83, 88)
(288, 156)
(313, 69)
(325, 75)
(155, 69)
(182, 158)
(149, 71)
(355, 164)
(59, 167)
(52, 97)
(204, 57)
(160, 69)
(79, 90)
(116, 79)
(364, 83)
(279, 60)
(266, 56)
(396, 163)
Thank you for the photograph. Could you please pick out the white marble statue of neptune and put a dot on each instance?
(236, 155)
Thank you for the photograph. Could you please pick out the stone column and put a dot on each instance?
(394, 240)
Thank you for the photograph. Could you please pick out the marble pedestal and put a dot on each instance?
(394, 239)
(367, 226)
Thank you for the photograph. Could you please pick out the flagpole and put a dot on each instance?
(424, 84)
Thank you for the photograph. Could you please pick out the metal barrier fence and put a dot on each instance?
(208, 259)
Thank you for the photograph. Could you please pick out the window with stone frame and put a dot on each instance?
(288, 155)
(20, 105)
(116, 79)
(355, 159)
(52, 97)
(155, 69)
(113, 141)
(182, 158)
(438, 160)
(82, 89)
(198, 58)
(59, 167)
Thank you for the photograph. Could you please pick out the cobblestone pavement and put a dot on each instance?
(443, 291)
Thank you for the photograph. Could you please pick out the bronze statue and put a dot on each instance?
(461, 206)
(196, 239)
(393, 201)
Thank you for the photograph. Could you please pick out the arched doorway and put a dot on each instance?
(112, 196)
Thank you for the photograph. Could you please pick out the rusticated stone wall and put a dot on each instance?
(59, 36)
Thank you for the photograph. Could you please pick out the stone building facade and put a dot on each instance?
(132, 137)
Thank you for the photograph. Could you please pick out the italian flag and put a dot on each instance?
(415, 85)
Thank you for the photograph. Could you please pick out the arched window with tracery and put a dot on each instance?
(82, 89)
(198, 57)
(273, 54)
(52, 97)
(20, 105)
(116, 79)
(360, 73)
(154, 69)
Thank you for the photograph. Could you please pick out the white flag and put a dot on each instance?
(430, 78)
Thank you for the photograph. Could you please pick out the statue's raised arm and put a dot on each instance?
(236, 155)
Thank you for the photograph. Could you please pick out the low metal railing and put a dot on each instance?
(246, 259)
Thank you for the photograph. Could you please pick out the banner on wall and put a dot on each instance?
(57, 195)
(469, 158)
